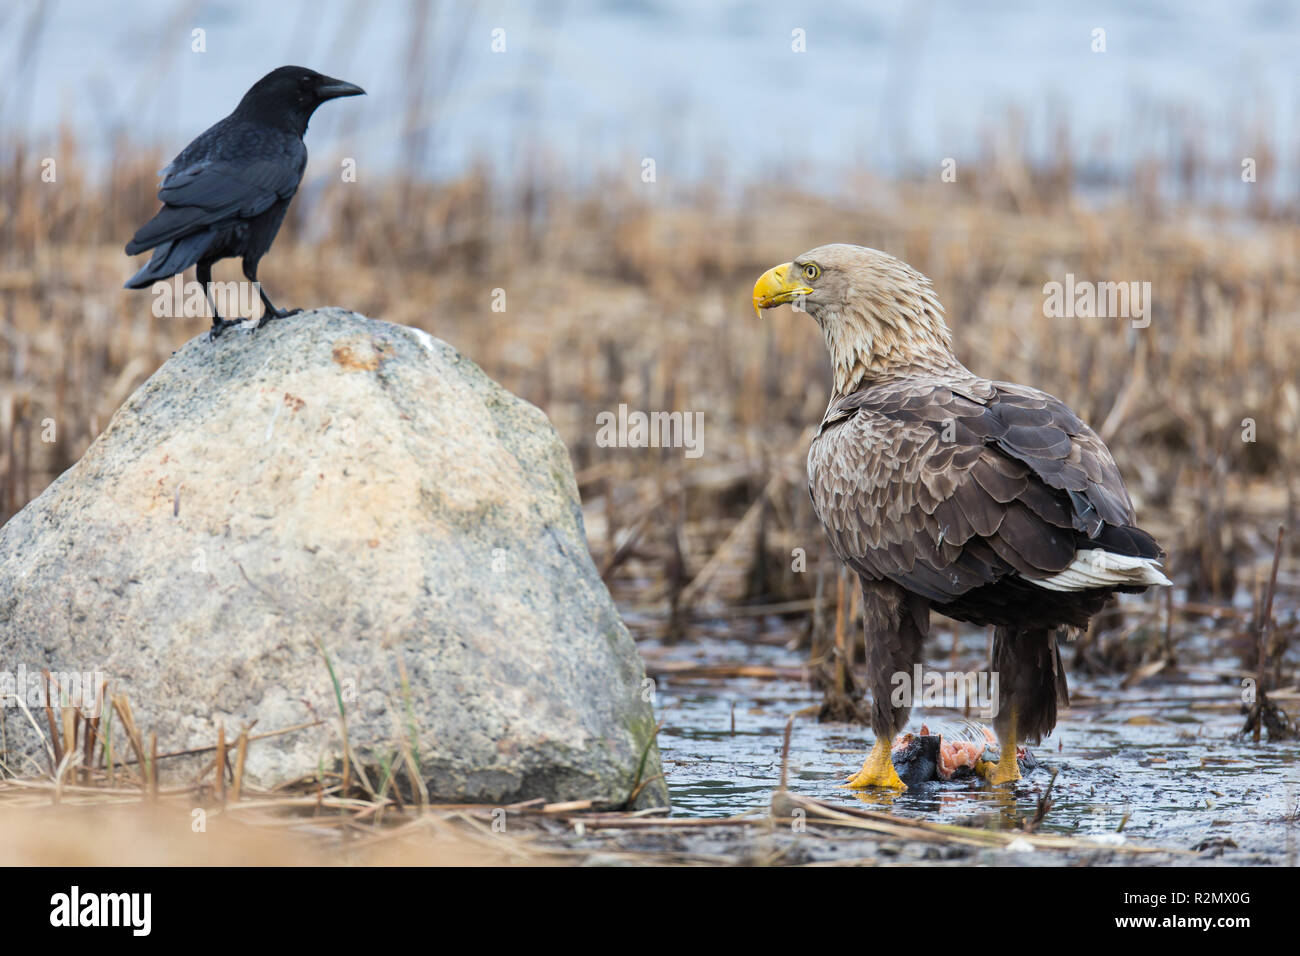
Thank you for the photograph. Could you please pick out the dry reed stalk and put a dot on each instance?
(241, 753)
(219, 761)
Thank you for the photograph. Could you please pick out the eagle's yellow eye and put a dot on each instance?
(811, 272)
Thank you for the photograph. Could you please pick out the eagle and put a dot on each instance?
(986, 501)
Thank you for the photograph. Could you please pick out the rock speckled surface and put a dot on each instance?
(336, 486)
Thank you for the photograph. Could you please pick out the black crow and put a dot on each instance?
(227, 192)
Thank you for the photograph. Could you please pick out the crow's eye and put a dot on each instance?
(810, 272)
(305, 82)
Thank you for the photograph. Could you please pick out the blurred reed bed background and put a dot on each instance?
(623, 292)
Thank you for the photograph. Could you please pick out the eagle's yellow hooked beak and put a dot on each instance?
(774, 288)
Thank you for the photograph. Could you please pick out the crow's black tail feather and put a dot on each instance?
(170, 258)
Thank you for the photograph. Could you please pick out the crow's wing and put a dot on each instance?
(199, 192)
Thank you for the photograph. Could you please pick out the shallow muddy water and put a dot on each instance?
(1158, 762)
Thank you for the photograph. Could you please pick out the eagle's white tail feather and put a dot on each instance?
(1098, 568)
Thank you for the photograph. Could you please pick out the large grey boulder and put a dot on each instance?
(335, 488)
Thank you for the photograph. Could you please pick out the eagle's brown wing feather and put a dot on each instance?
(946, 486)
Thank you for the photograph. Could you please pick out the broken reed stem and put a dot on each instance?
(123, 708)
(1266, 612)
(220, 761)
(192, 751)
(55, 740)
(785, 752)
(1263, 625)
(1043, 806)
(71, 718)
(1169, 624)
(92, 735)
(107, 748)
(241, 751)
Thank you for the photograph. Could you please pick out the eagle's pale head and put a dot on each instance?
(880, 316)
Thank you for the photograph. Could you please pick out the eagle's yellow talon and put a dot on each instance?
(877, 771)
(1000, 772)
(1007, 769)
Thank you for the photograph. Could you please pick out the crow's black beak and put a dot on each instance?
(332, 89)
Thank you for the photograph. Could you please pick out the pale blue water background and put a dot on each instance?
(699, 87)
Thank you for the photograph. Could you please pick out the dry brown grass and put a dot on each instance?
(104, 833)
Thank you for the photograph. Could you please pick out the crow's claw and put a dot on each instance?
(220, 326)
(270, 316)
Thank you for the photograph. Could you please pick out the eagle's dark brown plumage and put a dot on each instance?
(989, 502)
